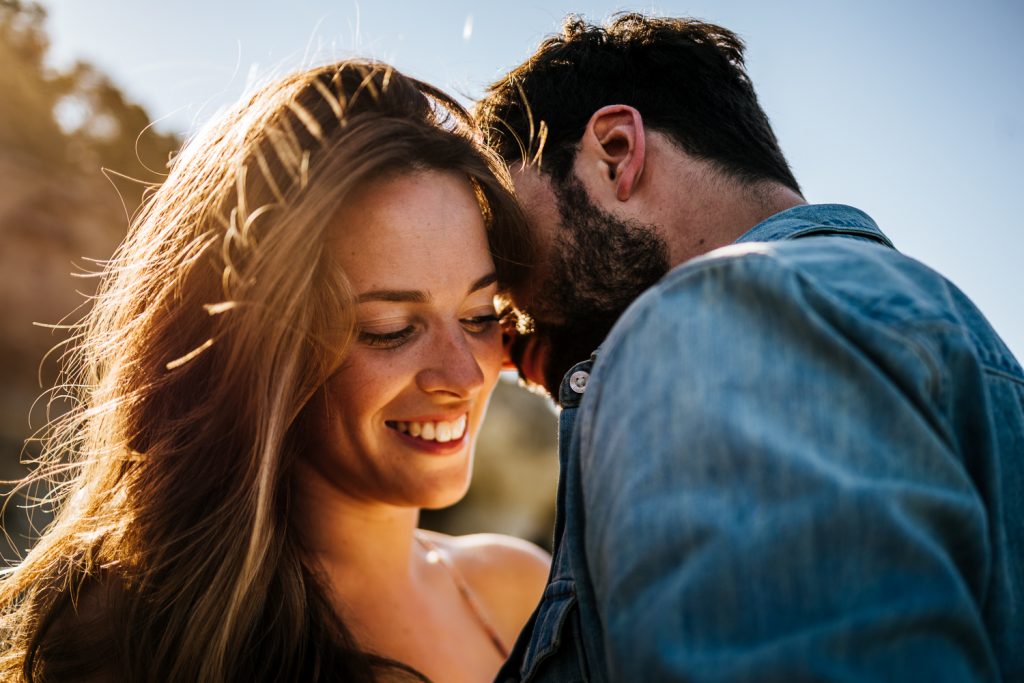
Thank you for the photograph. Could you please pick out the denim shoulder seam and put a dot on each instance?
(997, 372)
(907, 332)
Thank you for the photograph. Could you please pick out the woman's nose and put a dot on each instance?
(452, 366)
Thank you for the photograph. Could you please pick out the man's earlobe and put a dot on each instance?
(615, 135)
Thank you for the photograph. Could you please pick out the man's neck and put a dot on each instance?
(716, 219)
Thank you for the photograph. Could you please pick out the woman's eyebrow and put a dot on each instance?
(407, 295)
(485, 281)
(417, 296)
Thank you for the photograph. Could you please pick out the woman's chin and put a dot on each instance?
(443, 497)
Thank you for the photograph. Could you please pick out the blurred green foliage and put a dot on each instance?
(27, 106)
(74, 120)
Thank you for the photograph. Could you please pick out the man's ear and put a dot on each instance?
(615, 138)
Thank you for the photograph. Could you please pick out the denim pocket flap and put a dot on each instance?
(556, 605)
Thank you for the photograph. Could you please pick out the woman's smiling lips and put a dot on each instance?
(432, 435)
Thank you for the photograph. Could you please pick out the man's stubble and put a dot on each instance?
(600, 264)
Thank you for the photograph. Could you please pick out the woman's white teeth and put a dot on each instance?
(459, 428)
(440, 431)
(443, 432)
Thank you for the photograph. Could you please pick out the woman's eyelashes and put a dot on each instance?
(478, 325)
(387, 340)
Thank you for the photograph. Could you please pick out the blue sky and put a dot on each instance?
(910, 110)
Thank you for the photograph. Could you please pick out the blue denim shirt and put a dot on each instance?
(799, 457)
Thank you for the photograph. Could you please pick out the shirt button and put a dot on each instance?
(578, 381)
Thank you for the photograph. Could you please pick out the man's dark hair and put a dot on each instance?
(685, 77)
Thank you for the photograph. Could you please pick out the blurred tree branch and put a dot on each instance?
(72, 121)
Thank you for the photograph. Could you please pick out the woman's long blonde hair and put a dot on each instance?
(170, 556)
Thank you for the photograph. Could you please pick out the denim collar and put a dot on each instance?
(815, 219)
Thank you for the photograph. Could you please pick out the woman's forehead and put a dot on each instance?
(419, 231)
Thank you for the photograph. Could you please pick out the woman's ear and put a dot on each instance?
(614, 138)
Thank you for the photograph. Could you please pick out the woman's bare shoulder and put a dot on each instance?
(496, 557)
(506, 573)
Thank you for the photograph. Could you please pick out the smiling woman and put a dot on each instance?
(290, 356)
(403, 411)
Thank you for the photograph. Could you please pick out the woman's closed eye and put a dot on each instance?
(388, 339)
(479, 324)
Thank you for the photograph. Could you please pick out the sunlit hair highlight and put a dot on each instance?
(170, 556)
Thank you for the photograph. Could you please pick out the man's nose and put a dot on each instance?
(452, 366)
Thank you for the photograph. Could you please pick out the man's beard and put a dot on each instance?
(599, 265)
